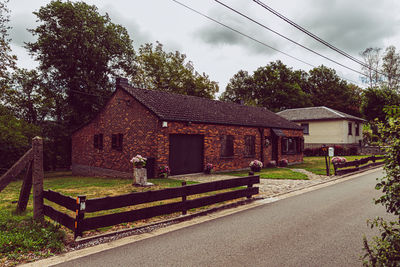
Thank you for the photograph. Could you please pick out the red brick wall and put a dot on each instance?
(123, 115)
(291, 158)
(212, 144)
(144, 135)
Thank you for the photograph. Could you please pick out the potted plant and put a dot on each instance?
(138, 161)
(256, 165)
(208, 168)
(271, 163)
(337, 160)
(283, 163)
(164, 171)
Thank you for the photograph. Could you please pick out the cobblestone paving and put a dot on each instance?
(268, 187)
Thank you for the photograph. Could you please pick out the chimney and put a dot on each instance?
(121, 81)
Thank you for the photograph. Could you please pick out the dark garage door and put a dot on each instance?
(185, 153)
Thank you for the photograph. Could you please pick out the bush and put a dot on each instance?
(385, 249)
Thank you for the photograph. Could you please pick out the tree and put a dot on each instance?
(372, 60)
(170, 72)
(15, 138)
(240, 89)
(385, 249)
(274, 86)
(391, 68)
(6, 58)
(28, 97)
(326, 88)
(374, 101)
(81, 51)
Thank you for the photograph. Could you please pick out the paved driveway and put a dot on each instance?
(268, 187)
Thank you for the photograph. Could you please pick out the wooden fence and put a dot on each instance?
(81, 205)
(32, 161)
(357, 164)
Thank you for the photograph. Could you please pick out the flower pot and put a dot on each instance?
(255, 169)
(139, 165)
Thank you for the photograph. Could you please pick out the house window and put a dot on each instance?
(288, 145)
(305, 128)
(116, 141)
(350, 128)
(98, 141)
(249, 146)
(227, 146)
(357, 129)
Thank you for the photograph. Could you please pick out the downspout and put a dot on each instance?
(261, 130)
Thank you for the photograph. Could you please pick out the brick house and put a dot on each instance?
(183, 132)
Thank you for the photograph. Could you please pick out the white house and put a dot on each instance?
(326, 126)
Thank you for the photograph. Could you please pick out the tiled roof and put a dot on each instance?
(175, 107)
(315, 113)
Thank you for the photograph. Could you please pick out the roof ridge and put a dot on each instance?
(336, 112)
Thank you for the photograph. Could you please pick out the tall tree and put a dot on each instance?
(391, 68)
(240, 89)
(372, 60)
(81, 50)
(169, 71)
(7, 60)
(274, 86)
(374, 101)
(28, 97)
(326, 88)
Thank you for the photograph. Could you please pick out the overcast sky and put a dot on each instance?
(351, 25)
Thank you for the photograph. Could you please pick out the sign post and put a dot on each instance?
(325, 151)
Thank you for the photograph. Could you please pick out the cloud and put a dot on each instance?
(137, 35)
(220, 36)
(351, 25)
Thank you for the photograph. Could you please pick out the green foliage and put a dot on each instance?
(15, 139)
(278, 87)
(326, 88)
(81, 50)
(28, 97)
(21, 236)
(385, 250)
(375, 99)
(170, 72)
(6, 58)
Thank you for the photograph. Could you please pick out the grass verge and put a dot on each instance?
(273, 173)
(317, 165)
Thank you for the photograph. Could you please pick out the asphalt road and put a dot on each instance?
(319, 228)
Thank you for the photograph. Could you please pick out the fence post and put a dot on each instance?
(184, 210)
(80, 215)
(25, 189)
(249, 185)
(37, 178)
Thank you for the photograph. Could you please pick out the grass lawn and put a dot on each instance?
(317, 164)
(273, 173)
(21, 239)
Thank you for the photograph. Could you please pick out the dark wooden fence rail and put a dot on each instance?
(81, 205)
(357, 164)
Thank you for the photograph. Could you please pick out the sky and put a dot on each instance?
(350, 25)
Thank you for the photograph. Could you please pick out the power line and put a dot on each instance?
(252, 38)
(243, 34)
(287, 38)
(310, 34)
